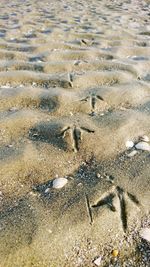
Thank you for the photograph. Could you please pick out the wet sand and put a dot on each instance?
(74, 88)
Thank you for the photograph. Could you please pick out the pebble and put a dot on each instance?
(129, 144)
(98, 175)
(132, 154)
(97, 262)
(49, 231)
(10, 145)
(115, 252)
(47, 190)
(145, 234)
(13, 109)
(59, 183)
(33, 84)
(143, 146)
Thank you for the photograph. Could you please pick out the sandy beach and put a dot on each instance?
(74, 104)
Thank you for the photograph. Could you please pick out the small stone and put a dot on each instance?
(145, 234)
(129, 144)
(143, 146)
(59, 183)
(98, 175)
(13, 109)
(47, 190)
(132, 154)
(97, 262)
(115, 253)
(122, 108)
(144, 138)
(10, 145)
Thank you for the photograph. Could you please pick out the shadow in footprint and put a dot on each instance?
(37, 59)
(48, 104)
(48, 133)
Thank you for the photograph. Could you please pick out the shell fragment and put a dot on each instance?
(143, 146)
(97, 262)
(59, 183)
(129, 144)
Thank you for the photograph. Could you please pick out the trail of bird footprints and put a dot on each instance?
(108, 201)
(63, 65)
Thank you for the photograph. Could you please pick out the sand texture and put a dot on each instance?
(74, 88)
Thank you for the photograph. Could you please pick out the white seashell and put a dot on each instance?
(98, 261)
(132, 154)
(145, 234)
(143, 146)
(129, 144)
(144, 138)
(59, 183)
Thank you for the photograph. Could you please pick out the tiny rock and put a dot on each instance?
(47, 190)
(115, 252)
(143, 146)
(59, 183)
(97, 262)
(129, 144)
(145, 234)
(13, 109)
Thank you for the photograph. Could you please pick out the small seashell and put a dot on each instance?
(144, 138)
(129, 144)
(145, 234)
(132, 154)
(143, 146)
(59, 183)
(97, 262)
